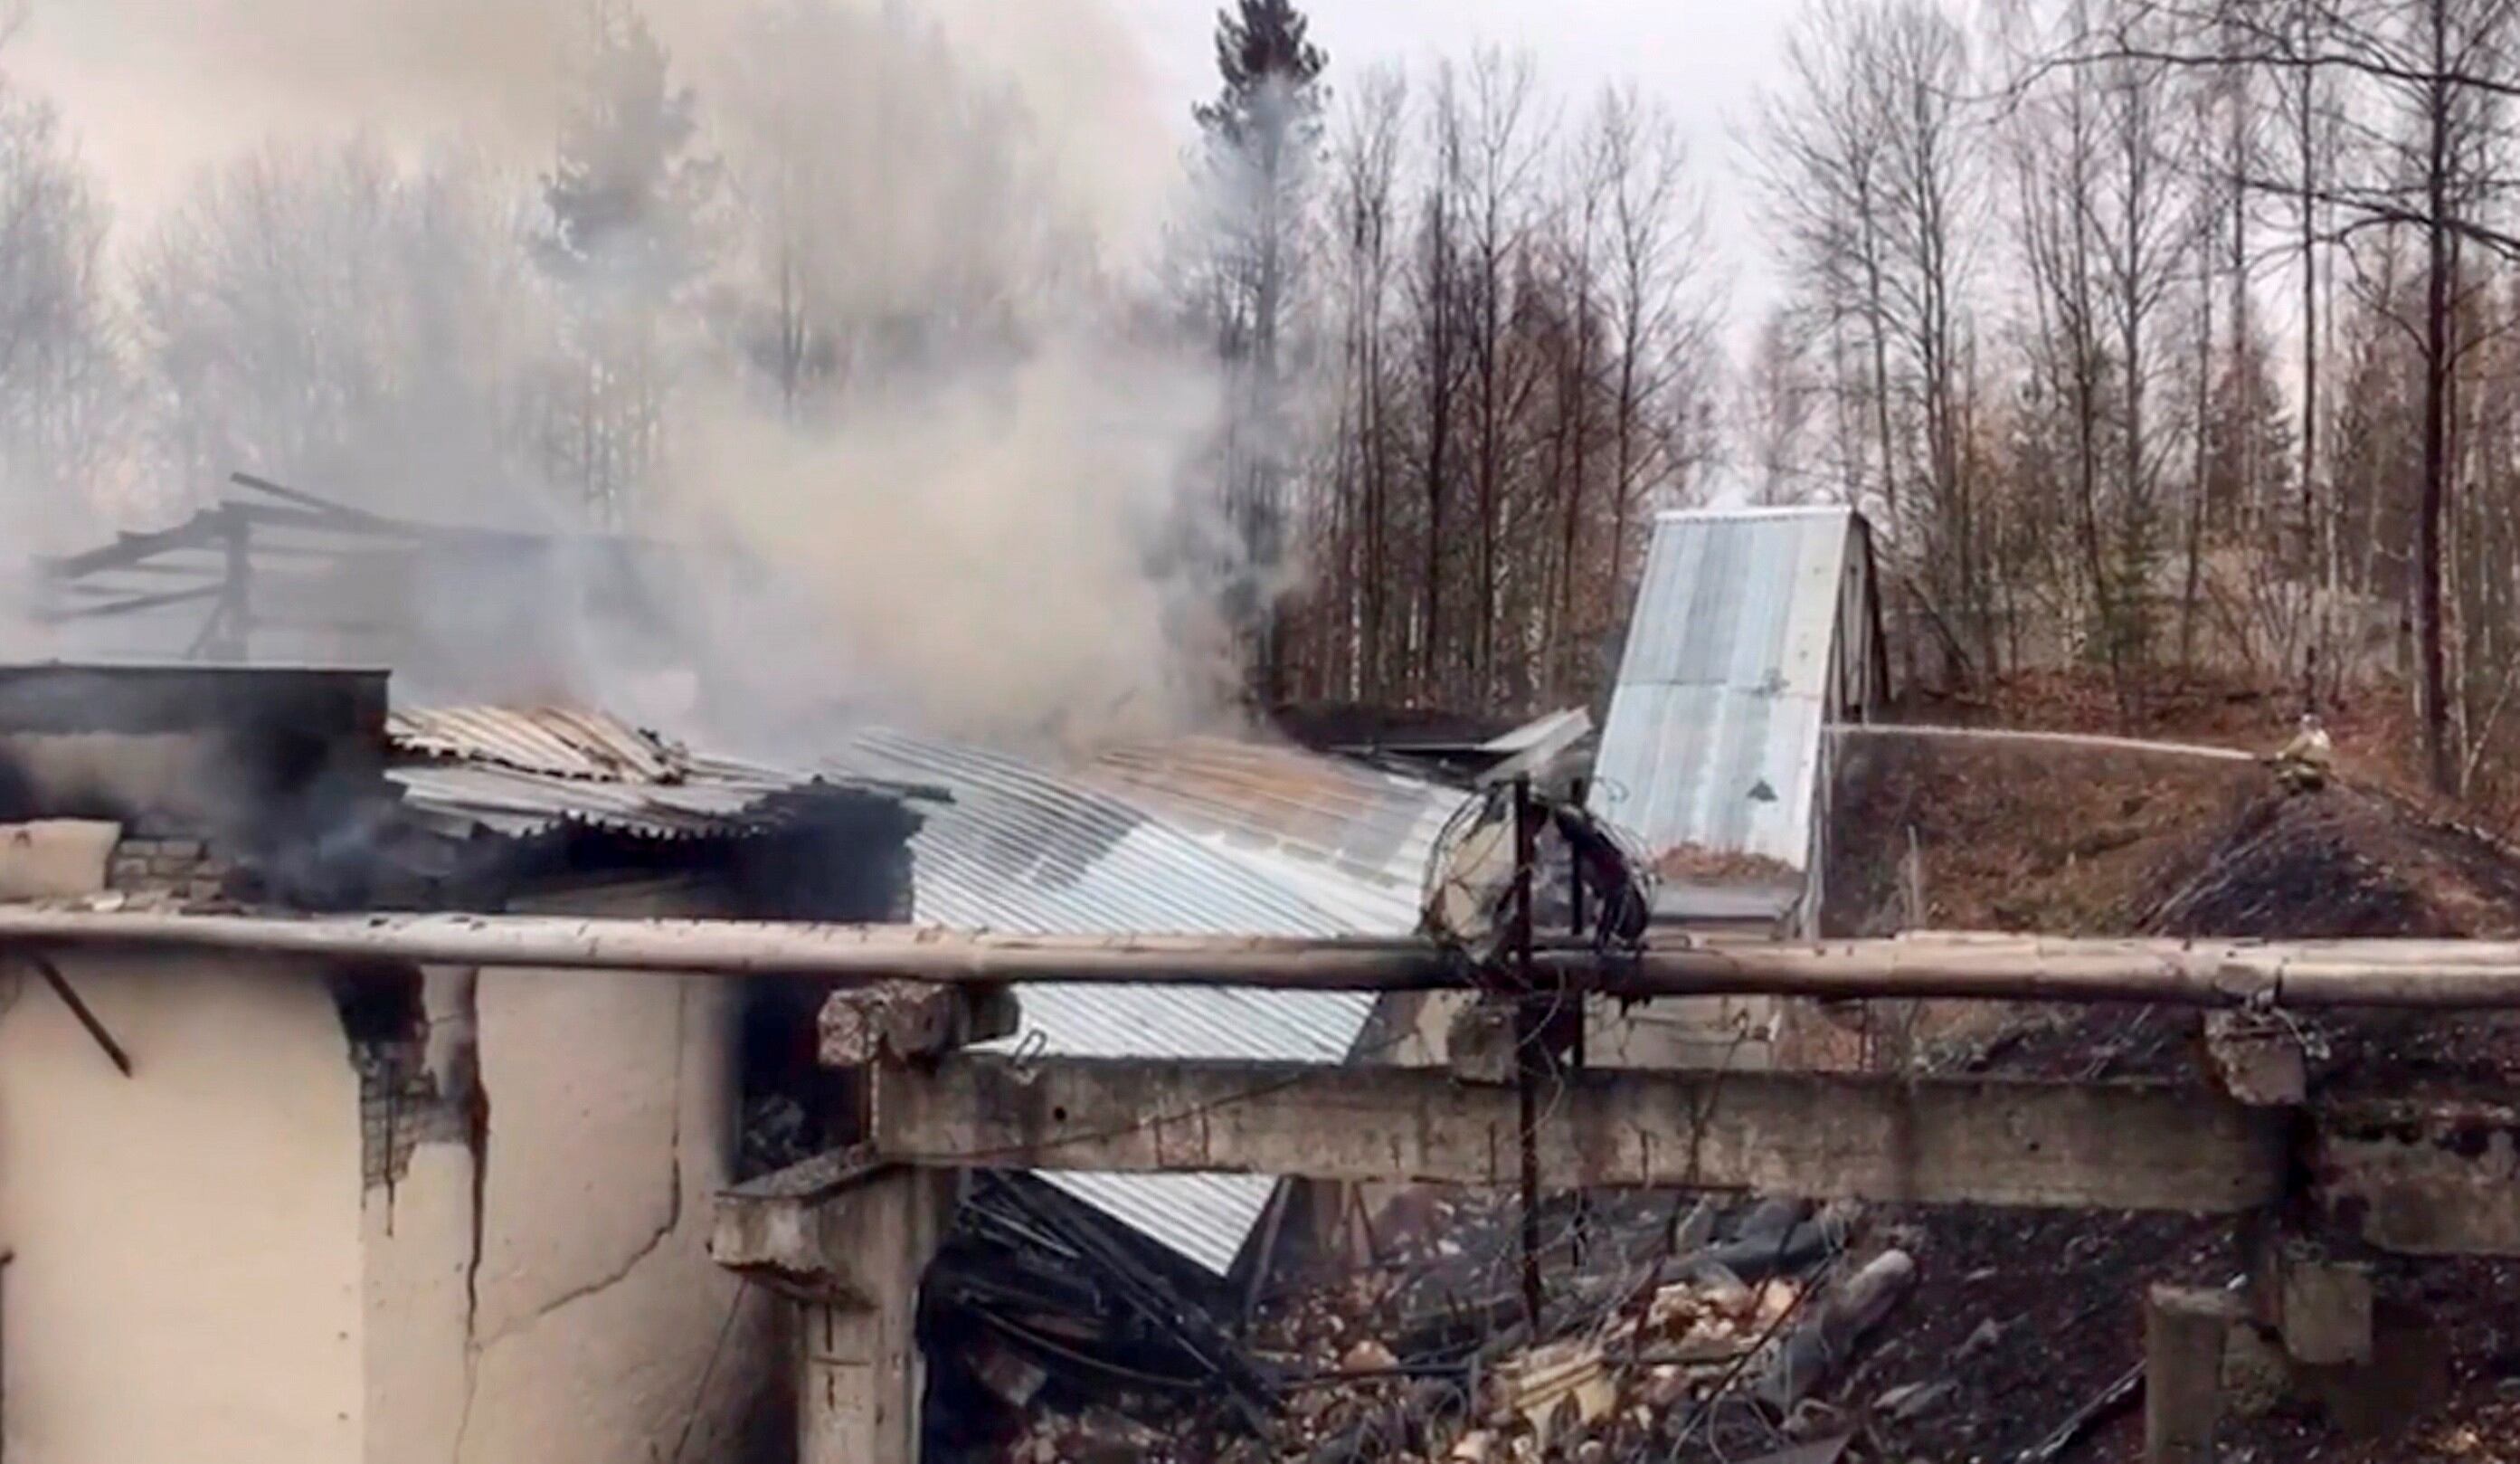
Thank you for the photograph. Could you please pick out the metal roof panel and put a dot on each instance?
(557, 741)
(1028, 848)
(1713, 735)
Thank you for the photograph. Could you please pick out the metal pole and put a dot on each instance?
(1577, 1055)
(1530, 1046)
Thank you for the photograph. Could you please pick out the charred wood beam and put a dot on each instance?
(1926, 1141)
(326, 508)
(138, 604)
(83, 1014)
(2437, 975)
(200, 530)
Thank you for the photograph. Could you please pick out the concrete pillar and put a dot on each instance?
(860, 1375)
(852, 1240)
(2184, 1335)
(857, 1391)
(2325, 1311)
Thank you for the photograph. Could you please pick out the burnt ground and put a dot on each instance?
(2345, 863)
(2052, 1301)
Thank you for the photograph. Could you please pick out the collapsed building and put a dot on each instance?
(559, 810)
(547, 1213)
(274, 1209)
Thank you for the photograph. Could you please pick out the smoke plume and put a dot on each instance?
(935, 465)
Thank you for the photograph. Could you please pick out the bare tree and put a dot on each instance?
(1357, 533)
(330, 316)
(65, 394)
(826, 108)
(1501, 156)
(1870, 171)
(1774, 408)
(2433, 73)
(1657, 289)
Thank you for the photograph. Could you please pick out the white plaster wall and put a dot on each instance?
(586, 1333)
(419, 1244)
(186, 1287)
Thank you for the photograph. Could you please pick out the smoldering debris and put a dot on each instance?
(1676, 1329)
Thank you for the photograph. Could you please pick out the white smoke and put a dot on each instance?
(947, 501)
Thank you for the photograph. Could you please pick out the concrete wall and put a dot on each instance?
(1729, 1033)
(185, 1288)
(579, 1321)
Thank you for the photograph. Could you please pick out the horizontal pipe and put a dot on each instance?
(2418, 974)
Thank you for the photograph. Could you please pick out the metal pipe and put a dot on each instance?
(2416, 974)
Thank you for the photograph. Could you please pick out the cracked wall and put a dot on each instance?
(579, 1322)
(186, 1240)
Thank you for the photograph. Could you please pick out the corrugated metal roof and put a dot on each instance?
(1206, 1219)
(1024, 848)
(522, 772)
(1353, 840)
(518, 805)
(555, 741)
(1714, 733)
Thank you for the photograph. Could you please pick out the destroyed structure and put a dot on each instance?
(1205, 1099)
(406, 1212)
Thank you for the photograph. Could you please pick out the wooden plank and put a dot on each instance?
(1931, 1141)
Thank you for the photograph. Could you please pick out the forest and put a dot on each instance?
(2157, 339)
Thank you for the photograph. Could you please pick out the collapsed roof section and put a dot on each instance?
(1191, 838)
(521, 772)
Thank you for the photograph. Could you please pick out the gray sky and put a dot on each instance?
(157, 88)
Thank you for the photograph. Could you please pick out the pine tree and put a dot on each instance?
(1263, 131)
(627, 193)
(627, 197)
(1272, 74)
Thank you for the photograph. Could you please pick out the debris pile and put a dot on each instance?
(1673, 1330)
(1696, 864)
(2346, 862)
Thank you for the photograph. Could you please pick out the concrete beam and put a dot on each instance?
(1929, 1141)
(898, 1020)
(2257, 1060)
(2422, 1178)
(799, 1224)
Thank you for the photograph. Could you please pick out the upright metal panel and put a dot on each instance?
(1712, 740)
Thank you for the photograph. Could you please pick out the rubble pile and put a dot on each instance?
(1671, 1330)
(1680, 1330)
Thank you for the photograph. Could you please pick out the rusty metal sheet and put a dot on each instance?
(553, 740)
